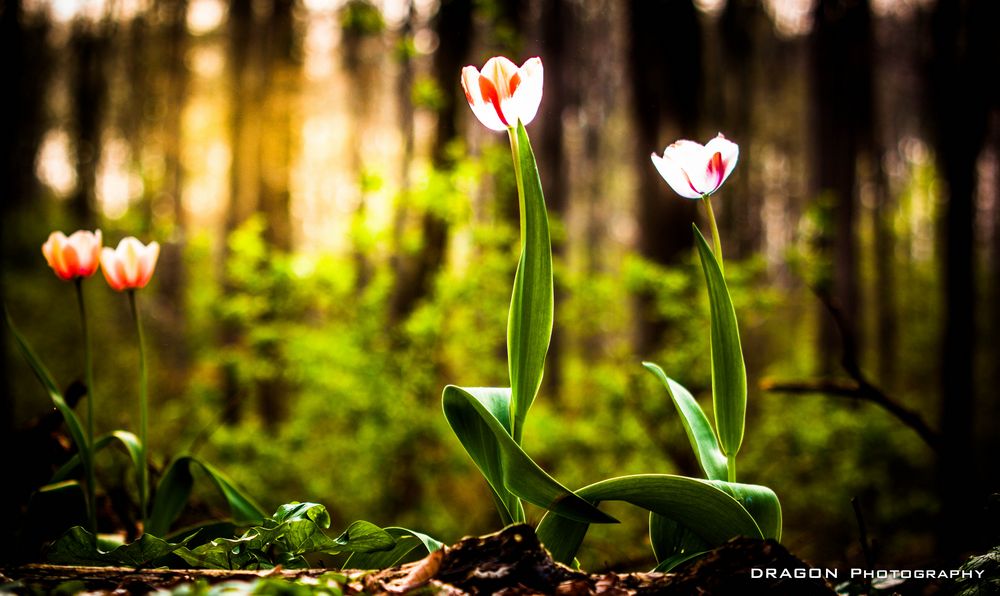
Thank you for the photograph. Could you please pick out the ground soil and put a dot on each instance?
(508, 562)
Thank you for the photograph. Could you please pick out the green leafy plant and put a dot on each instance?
(285, 538)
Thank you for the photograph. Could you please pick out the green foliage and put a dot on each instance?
(295, 530)
(362, 18)
(427, 94)
(328, 584)
(77, 547)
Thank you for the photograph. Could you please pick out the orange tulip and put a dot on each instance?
(76, 256)
(131, 265)
(501, 94)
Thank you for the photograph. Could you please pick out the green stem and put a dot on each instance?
(707, 200)
(86, 458)
(731, 465)
(143, 410)
(515, 429)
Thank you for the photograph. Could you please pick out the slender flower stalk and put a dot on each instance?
(143, 408)
(716, 241)
(89, 379)
(512, 134)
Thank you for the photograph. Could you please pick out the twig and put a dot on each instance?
(858, 387)
(863, 534)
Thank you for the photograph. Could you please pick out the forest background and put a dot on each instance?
(339, 236)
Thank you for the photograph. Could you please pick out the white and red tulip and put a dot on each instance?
(501, 93)
(694, 170)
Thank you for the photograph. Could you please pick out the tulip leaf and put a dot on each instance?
(760, 502)
(45, 378)
(696, 425)
(475, 431)
(529, 324)
(478, 416)
(407, 542)
(729, 377)
(711, 514)
(672, 542)
(127, 440)
(175, 487)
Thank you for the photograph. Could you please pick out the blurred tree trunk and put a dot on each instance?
(89, 43)
(665, 81)
(415, 273)
(279, 90)
(362, 27)
(559, 30)
(242, 196)
(171, 271)
(404, 105)
(26, 67)
(842, 99)
(964, 47)
(740, 210)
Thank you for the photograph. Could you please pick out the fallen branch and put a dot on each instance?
(858, 387)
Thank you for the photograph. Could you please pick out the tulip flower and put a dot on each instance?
(501, 94)
(131, 265)
(73, 257)
(696, 171)
(128, 268)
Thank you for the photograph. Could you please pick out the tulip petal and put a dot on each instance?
(675, 176)
(529, 91)
(729, 151)
(109, 265)
(129, 252)
(491, 95)
(148, 264)
(483, 110)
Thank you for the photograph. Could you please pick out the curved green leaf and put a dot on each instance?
(45, 378)
(127, 440)
(711, 514)
(696, 425)
(174, 489)
(79, 547)
(407, 541)
(672, 542)
(529, 323)
(476, 415)
(729, 375)
(477, 436)
(760, 502)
